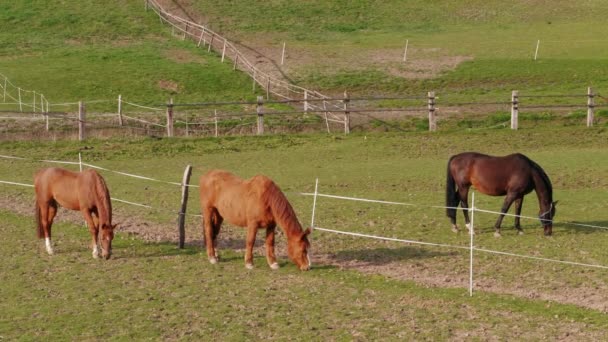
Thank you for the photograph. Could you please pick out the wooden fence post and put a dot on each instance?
(200, 39)
(590, 107)
(120, 110)
(181, 220)
(170, 118)
(210, 42)
(305, 100)
(254, 75)
(81, 121)
(346, 114)
(236, 62)
(146, 1)
(431, 107)
(259, 110)
(514, 109)
(224, 50)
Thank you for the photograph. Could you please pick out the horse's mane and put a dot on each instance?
(281, 209)
(105, 205)
(543, 175)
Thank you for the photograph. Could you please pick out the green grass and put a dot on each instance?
(96, 51)
(343, 42)
(163, 292)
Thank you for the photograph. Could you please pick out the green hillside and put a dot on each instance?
(95, 50)
(476, 47)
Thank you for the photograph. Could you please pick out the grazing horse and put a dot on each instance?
(512, 176)
(254, 203)
(85, 191)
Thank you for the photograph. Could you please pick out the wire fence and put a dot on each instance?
(473, 209)
(289, 116)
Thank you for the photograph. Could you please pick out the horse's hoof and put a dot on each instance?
(497, 235)
(50, 251)
(455, 229)
(274, 266)
(95, 255)
(520, 232)
(468, 225)
(213, 260)
(249, 266)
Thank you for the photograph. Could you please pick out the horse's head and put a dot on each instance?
(546, 218)
(297, 249)
(107, 234)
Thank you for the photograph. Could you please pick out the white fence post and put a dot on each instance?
(283, 54)
(431, 107)
(590, 107)
(314, 205)
(536, 52)
(407, 41)
(471, 233)
(81, 121)
(120, 110)
(514, 109)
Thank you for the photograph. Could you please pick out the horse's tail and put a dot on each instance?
(37, 214)
(451, 196)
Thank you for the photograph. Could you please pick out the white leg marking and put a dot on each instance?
(213, 260)
(95, 252)
(274, 266)
(49, 248)
(249, 266)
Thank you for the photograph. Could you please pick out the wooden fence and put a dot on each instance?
(428, 106)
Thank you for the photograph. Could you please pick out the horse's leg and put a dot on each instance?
(518, 204)
(217, 224)
(208, 213)
(46, 220)
(463, 192)
(93, 229)
(270, 256)
(505, 207)
(252, 230)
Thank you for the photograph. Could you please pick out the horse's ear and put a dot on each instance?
(114, 226)
(555, 203)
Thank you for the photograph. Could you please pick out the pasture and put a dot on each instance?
(358, 288)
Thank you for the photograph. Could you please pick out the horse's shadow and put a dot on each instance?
(582, 227)
(383, 256)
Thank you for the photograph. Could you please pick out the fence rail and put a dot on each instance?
(174, 117)
(472, 209)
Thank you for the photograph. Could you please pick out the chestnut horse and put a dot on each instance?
(85, 191)
(254, 203)
(514, 175)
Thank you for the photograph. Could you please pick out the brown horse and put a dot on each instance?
(254, 203)
(512, 176)
(85, 191)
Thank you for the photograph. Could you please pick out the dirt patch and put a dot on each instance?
(169, 85)
(184, 56)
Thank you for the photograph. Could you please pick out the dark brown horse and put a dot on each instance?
(512, 176)
(254, 203)
(85, 191)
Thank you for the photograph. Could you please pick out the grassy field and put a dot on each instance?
(358, 288)
(359, 45)
(95, 51)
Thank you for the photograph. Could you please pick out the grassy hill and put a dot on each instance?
(470, 50)
(95, 50)
(480, 48)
